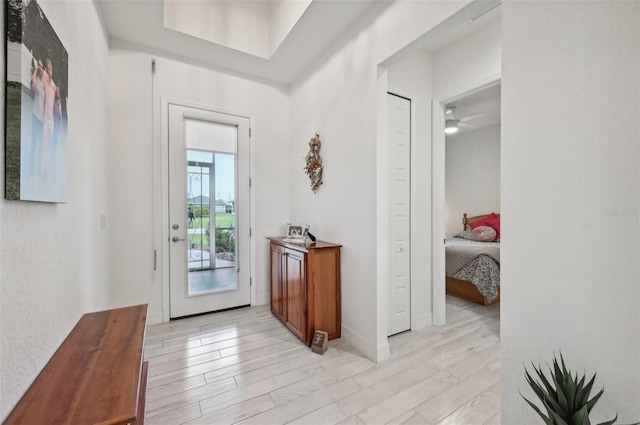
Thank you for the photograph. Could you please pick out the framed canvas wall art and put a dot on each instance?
(36, 106)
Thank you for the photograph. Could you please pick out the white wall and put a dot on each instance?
(240, 25)
(468, 62)
(283, 16)
(472, 175)
(570, 198)
(54, 257)
(338, 99)
(131, 160)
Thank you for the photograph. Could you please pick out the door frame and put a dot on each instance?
(438, 277)
(161, 200)
(413, 321)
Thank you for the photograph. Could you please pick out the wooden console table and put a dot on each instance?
(96, 376)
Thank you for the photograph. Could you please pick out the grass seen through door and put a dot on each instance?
(201, 240)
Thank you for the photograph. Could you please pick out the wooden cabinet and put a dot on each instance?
(278, 306)
(305, 287)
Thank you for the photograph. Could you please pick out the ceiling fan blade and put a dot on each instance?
(465, 125)
(475, 116)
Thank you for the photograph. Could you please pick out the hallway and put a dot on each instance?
(244, 366)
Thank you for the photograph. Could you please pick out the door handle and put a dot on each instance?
(176, 239)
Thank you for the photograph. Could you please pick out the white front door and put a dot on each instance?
(399, 136)
(209, 240)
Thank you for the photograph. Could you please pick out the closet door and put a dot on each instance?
(399, 136)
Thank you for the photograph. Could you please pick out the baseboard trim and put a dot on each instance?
(384, 352)
(154, 318)
(378, 353)
(263, 300)
(422, 321)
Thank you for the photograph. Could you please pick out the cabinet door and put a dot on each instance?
(278, 295)
(296, 293)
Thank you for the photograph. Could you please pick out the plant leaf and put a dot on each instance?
(564, 368)
(580, 399)
(558, 420)
(594, 400)
(587, 389)
(535, 387)
(556, 408)
(581, 417)
(571, 394)
(550, 389)
(564, 406)
(557, 374)
(537, 409)
(561, 402)
(543, 395)
(610, 422)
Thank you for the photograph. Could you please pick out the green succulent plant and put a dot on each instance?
(564, 396)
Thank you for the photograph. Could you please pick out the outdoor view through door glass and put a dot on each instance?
(211, 213)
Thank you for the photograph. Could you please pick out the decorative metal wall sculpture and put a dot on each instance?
(314, 163)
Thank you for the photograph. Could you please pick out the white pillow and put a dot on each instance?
(483, 234)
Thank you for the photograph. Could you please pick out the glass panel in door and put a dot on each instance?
(211, 211)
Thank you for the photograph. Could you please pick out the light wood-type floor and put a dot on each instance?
(243, 366)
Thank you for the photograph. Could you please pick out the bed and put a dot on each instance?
(473, 266)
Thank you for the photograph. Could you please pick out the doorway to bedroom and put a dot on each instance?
(472, 195)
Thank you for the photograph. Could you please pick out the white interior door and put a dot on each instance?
(209, 235)
(399, 128)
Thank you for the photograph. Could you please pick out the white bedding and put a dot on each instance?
(475, 262)
(461, 251)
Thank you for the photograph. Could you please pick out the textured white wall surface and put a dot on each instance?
(54, 257)
(472, 182)
(570, 198)
(131, 162)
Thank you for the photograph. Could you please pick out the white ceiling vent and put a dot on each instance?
(491, 6)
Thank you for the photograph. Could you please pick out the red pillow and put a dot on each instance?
(491, 220)
(495, 223)
(483, 221)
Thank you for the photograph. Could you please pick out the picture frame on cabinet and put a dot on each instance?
(297, 232)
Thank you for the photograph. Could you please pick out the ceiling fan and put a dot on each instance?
(452, 124)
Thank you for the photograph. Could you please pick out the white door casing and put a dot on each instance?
(437, 214)
(399, 137)
(181, 304)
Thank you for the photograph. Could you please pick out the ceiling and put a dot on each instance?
(485, 101)
(141, 23)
